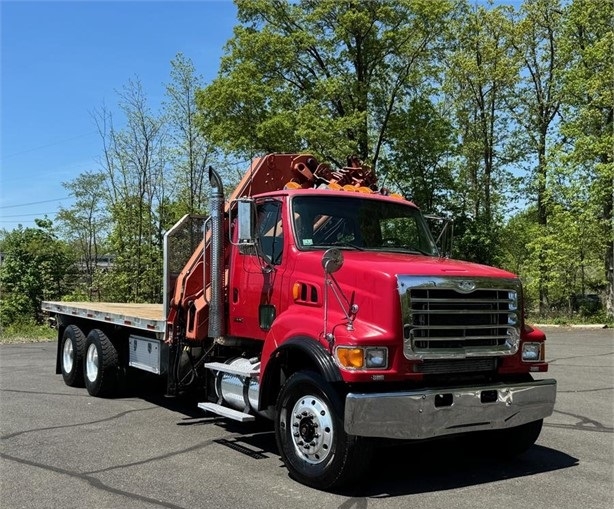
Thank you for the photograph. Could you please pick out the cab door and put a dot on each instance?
(256, 274)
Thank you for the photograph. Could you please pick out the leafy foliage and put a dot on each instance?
(35, 268)
(588, 126)
(499, 116)
(85, 226)
(421, 142)
(318, 76)
(189, 154)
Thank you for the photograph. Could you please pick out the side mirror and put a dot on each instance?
(246, 221)
(332, 260)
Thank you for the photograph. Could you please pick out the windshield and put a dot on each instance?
(360, 223)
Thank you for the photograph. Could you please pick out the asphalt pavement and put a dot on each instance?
(60, 447)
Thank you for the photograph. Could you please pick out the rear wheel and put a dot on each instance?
(72, 353)
(101, 366)
(310, 435)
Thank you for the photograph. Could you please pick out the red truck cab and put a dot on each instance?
(348, 289)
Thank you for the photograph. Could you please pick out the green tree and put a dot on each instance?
(34, 269)
(190, 154)
(588, 115)
(536, 103)
(560, 259)
(517, 235)
(480, 74)
(321, 76)
(85, 226)
(421, 144)
(135, 165)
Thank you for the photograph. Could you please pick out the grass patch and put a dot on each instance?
(577, 319)
(26, 332)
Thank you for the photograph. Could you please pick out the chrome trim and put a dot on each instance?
(419, 414)
(433, 308)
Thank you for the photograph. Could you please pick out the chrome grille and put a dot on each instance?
(452, 318)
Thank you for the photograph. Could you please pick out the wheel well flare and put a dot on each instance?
(296, 354)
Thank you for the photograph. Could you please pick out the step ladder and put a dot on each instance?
(224, 411)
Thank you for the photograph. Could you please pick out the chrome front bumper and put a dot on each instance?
(430, 413)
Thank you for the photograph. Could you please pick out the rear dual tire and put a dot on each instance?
(101, 365)
(72, 354)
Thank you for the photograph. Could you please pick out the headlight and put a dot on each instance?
(362, 358)
(376, 357)
(532, 352)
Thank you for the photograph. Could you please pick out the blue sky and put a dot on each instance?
(60, 61)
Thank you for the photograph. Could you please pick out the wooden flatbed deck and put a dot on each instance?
(140, 316)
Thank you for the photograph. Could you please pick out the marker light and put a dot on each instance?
(362, 358)
(350, 357)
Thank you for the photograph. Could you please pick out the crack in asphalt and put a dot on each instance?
(196, 447)
(66, 426)
(93, 481)
(89, 476)
(584, 424)
(552, 361)
(72, 395)
(587, 390)
(80, 394)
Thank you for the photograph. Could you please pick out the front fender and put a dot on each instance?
(295, 354)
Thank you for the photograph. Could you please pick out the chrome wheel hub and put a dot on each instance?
(312, 429)
(91, 363)
(68, 356)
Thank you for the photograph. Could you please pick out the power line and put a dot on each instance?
(17, 221)
(3, 216)
(33, 203)
(20, 222)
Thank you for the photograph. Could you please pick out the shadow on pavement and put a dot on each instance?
(448, 464)
(396, 469)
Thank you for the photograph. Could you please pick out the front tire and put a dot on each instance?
(310, 435)
(521, 438)
(101, 367)
(511, 442)
(72, 353)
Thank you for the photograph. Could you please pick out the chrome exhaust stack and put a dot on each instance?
(216, 306)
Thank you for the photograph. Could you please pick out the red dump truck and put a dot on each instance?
(317, 300)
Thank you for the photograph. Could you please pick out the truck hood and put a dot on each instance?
(419, 265)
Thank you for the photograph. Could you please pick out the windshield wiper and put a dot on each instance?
(348, 244)
(411, 249)
(425, 253)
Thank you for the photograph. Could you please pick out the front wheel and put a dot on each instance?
(310, 436)
(101, 367)
(511, 442)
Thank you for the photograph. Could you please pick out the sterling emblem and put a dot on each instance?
(466, 286)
